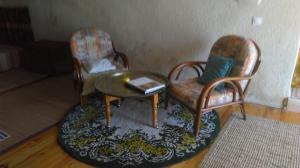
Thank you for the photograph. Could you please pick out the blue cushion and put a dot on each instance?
(217, 67)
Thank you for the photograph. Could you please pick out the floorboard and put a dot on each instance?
(43, 150)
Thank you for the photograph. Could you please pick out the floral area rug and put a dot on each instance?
(131, 141)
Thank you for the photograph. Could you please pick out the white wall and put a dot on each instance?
(12, 3)
(157, 34)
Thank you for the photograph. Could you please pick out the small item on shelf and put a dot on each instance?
(145, 84)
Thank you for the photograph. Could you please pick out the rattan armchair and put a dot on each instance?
(204, 98)
(91, 43)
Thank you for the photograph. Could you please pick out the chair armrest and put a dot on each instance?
(123, 57)
(196, 65)
(78, 79)
(77, 69)
(232, 81)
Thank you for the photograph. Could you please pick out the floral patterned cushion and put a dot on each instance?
(242, 50)
(188, 92)
(91, 43)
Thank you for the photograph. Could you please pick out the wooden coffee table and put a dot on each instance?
(112, 85)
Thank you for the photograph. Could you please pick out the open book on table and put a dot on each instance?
(145, 84)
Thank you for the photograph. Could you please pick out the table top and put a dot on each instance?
(113, 83)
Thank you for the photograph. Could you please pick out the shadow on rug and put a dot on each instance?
(132, 141)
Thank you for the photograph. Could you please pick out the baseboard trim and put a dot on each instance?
(293, 105)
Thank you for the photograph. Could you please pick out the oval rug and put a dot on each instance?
(131, 141)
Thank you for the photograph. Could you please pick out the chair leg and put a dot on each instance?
(242, 107)
(119, 102)
(75, 84)
(197, 123)
(166, 100)
(83, 100)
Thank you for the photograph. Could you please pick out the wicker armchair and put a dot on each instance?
(90, 43)
(204, 98)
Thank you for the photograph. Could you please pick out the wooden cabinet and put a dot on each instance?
(48, 57)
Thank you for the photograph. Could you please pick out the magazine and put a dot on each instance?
(146, 84)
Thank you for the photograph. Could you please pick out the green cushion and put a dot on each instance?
(217, 67)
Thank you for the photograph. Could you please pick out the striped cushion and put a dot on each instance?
(188, 92)
(91, 43)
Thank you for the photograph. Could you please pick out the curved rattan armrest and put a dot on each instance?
(77, 70)
(196, 65)
(204, 97)
(78, 79)
(123, 57)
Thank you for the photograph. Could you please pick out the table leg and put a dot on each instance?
(107, 108)
(154, 112)
(100, 105)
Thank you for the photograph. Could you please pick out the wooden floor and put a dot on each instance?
(43, 150)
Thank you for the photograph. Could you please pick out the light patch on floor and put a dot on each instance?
(296, 76)
(42, 104)
(16, 78)
(295, 93)
(3, 135)
(294, 102)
